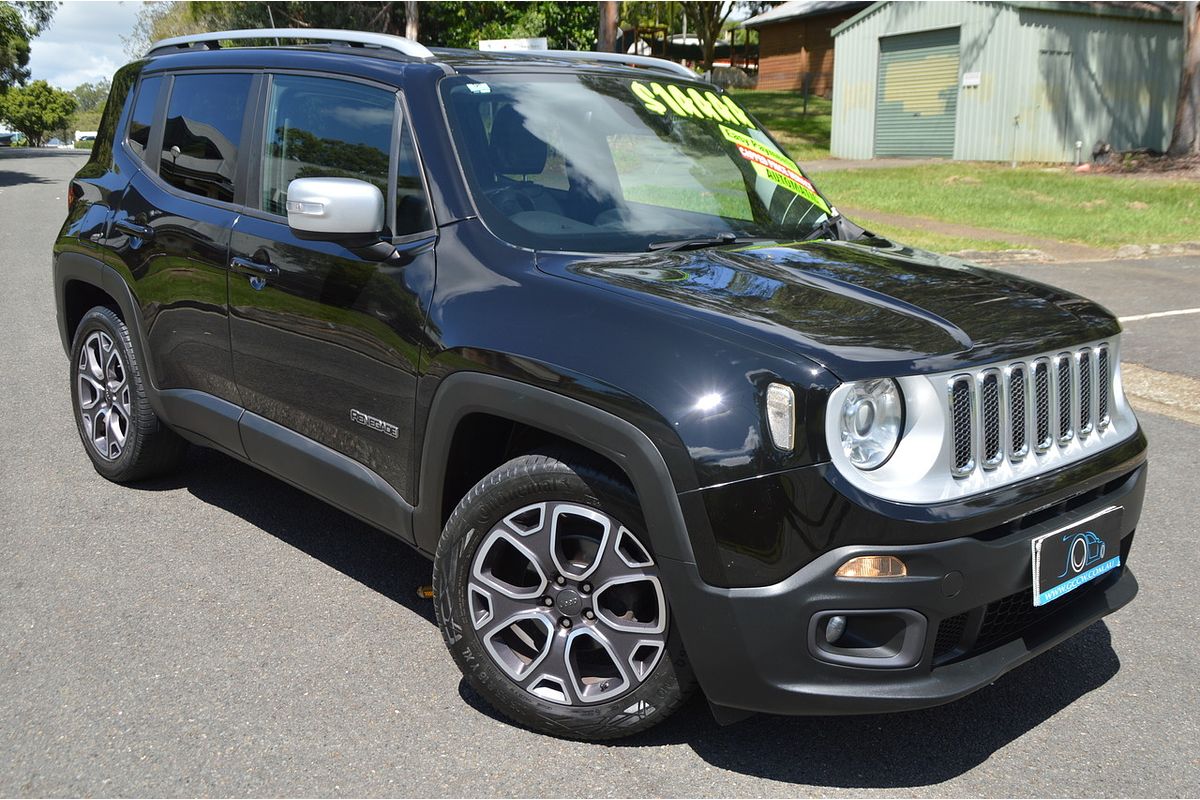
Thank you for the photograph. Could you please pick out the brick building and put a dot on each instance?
(796, 46)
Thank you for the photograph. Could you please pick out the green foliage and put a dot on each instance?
(20, 22)
(14, 47)
(85, 145)
(36, 110)
(91, 96)
(161, 20)
(442, 24)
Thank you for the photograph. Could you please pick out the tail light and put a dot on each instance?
(73, 194)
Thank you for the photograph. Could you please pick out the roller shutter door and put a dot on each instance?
(917, 94)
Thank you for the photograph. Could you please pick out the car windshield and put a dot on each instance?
(606, 163)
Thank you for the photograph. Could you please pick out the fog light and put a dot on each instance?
(835, 628)
(872, 567)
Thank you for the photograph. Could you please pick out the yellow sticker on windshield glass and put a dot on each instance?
(690, 103)
(774, 166)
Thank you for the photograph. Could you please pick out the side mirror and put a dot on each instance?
(334, 208)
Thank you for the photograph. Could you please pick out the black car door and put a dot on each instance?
(326, 341)
(169, 232)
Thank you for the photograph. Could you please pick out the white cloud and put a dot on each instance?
(83, 43)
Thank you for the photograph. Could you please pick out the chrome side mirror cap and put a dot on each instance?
(332, 208)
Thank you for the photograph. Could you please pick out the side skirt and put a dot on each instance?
(293, 458)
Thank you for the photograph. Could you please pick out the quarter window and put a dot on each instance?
(412, 206)
(202, 133)
(142, 117)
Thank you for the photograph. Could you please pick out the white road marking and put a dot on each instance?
(1139, 317)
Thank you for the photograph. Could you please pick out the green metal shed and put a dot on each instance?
(995, 81)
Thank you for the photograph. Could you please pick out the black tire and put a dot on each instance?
(149, 448)
(562, 477)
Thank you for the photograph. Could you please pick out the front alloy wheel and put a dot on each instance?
(552, 605)
(568, 603)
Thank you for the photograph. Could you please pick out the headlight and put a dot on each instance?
(872, 418)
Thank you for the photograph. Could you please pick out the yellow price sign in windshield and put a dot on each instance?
(689, 102)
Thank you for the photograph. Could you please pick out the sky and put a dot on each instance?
(83, 43)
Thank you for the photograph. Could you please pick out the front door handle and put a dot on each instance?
(255, 269)
(130, 228)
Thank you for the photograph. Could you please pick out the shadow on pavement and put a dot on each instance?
(910, 749)
(357, 550)
(40, 152)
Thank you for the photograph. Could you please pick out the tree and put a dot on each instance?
(157, 21)
(447, 24)
(91, 96)
(20, 22)
(1185, 136)
(706, 20)
(36, 109)
(606, 40)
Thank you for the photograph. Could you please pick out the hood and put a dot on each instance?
(857, 309)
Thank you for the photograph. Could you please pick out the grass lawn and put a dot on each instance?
(805, 137)
(1098, 210)
(935, 242)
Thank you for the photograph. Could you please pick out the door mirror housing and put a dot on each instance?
(335, 209)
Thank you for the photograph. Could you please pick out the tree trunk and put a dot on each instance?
(1185, 136)
(606, 41)
(410, 19)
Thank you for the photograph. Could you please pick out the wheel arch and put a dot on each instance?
(80, 279)
(466, 395)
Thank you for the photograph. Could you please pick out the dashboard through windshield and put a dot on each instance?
(602, 163)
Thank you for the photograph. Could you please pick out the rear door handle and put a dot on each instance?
(133, 229)
(252, 268)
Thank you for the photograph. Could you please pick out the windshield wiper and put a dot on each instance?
(826, 230)
(699, 242)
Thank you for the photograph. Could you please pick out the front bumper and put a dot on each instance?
(968, 601)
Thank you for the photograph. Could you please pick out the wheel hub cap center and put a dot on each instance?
(569, 602)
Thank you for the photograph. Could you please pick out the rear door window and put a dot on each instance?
(203, 132)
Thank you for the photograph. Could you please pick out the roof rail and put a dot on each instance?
(614, 58)
(381, 40)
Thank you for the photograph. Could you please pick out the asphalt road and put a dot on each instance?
(220, 633)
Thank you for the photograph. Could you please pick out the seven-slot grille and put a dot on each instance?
(1027, 407)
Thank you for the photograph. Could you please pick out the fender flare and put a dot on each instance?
(465, 393)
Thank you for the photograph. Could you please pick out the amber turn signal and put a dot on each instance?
(425, 592)
(872, 567)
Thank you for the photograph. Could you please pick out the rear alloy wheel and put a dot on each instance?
(552, 604)
(105, 401)
(123, 437)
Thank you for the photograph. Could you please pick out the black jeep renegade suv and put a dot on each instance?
(573, 326)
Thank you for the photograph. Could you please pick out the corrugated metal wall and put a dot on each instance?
(1060, 77)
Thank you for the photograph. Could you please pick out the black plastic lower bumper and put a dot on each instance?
(967, 601)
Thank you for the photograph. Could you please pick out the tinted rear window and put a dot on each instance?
(203, 132)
